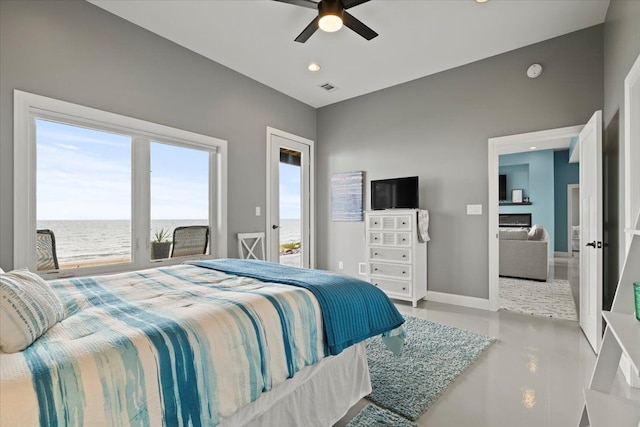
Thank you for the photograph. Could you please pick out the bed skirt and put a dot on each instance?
(317, 396)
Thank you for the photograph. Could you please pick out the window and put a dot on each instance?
(179, 193)
(83, 193)
(112, 190)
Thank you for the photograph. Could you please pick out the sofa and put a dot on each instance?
(524, 253)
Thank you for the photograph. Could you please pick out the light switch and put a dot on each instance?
(474, 209)
(340, 265)
(257, 210)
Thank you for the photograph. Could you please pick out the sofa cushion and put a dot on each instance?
(536, 233)
(513, 234)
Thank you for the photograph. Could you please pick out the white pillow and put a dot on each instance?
(28, 308)
(1, 270)
(536, 232)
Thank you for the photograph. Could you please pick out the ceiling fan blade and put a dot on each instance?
(308, 32)
(358, 26)
(351, 3)
(304, 3)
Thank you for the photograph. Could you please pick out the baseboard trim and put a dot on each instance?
(461, 300)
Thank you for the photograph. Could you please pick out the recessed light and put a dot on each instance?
(533, 148)
(481, 1)
(313, 67)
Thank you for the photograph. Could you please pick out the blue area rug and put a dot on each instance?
(434, 356)
(372, 416)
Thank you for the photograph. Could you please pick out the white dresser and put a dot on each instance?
(396, 260)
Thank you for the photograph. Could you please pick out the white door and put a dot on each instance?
(289, 210)
(590, 141)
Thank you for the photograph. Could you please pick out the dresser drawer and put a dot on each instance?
(388, 222)
(387, 238)
(375, 222)
(391, 270)
(403, 239)
(394, 286)
(403, 222)
(390, 254)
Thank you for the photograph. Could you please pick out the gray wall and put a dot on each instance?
(77, 52)
(437, 127)
(621, 48)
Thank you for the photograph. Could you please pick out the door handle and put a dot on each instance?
(592, 244)
(275, 227)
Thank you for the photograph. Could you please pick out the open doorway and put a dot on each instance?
(537, 276)
(591, 235)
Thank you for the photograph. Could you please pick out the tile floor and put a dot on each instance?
(532, 376)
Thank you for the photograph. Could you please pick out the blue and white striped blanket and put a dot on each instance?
(180, 345)
(352, 310)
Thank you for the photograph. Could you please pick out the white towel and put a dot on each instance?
(423, 226)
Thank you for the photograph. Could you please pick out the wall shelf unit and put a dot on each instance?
(621, 338)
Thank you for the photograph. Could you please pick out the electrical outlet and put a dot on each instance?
(362, 268)
(340, 265)
(257, 210)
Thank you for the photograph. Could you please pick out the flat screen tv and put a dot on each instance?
(502, 191)
(396, 193)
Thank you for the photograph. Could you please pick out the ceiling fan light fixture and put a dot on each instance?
(330, 12)
(330, 23)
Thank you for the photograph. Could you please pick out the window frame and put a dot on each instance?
(28, 107)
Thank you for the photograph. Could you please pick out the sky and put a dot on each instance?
(86, 174)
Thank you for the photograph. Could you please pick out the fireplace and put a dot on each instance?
(515, 220)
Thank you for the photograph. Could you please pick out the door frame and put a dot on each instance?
(631, 150)
(546, 139)
(271, 131)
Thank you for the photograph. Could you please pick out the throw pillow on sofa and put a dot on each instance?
(536, 232)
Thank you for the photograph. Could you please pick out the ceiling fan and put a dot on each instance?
(332, 15)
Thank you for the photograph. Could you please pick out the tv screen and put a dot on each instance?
(502, 191)
(397, 193)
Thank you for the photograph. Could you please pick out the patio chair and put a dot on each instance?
(46, 250)
(190, 240)
(254, 239)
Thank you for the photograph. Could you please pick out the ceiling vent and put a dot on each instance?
(328, 87)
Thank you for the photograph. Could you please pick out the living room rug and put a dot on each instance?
(546, 299)
(434, 356)
(372, 416)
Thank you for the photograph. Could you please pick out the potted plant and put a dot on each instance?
(160, 245)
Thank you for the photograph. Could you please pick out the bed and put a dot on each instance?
(225, 342)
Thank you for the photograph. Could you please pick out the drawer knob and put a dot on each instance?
(375, 223)
(404, 289)
(404, 256)
(375, 253)
(404, 272)
(403, 223)
(375, 269)
(403, 239)
(375, 238)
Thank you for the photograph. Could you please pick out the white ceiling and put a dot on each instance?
(417, 37)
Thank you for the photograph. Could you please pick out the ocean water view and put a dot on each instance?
(104, 241)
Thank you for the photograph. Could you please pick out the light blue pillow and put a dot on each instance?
(28, 308)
